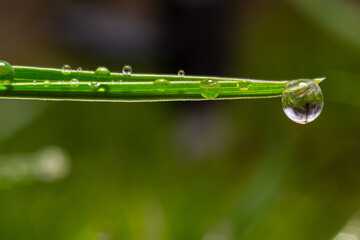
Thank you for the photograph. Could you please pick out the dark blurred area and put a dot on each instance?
(200, 170)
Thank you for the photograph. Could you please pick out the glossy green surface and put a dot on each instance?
(101, 85)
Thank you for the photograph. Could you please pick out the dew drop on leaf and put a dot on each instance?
(210, 89)
(302, 100)
(46, 84)
(127, 70)
(181, 73)
(243, 85)
(94, 85)
(161, 84)
(74, 83)
(102, 74)
(66, 70)
(7, 73)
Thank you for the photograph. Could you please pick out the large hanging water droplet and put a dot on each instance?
(210, 89)
(74, 83)
(127, 70)
(161, 84)
(181, 73)
(102, 74)
(7, 73)
(302, 100)
(66, 70)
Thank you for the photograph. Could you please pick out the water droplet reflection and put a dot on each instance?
(102, 89)
(66, 70)
(94, 85)
(243, 85)
(161, 84)
(101, 74)
(127, 70)
(210, 89)
(181, 73)
(74, 83)
(302, 100)
(6, 73)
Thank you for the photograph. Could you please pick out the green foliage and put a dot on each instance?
(101, 85)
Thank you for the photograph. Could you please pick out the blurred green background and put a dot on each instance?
(200, 170)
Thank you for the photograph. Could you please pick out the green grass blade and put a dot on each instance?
(101, 85)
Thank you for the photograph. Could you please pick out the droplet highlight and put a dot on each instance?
(102, 89)
(127, 70)
(210, 89)
(94, 85)
(302, 100)
(161, 84)
(74, 83)
(102, 74)
(181, 73)
(7, 73)
(66, 70)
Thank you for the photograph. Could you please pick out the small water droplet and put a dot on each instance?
(7, 73)
(127, 70)
(94, 85)
(102, 74)
(161, 84)
(302, 100)
(34, 83)
(79, 72)
(66, 70)
(210, 89)
(243, 85)
(74, 83)
(181, 73)
(46, 84)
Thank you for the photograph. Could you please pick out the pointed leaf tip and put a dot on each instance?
(319, 80)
